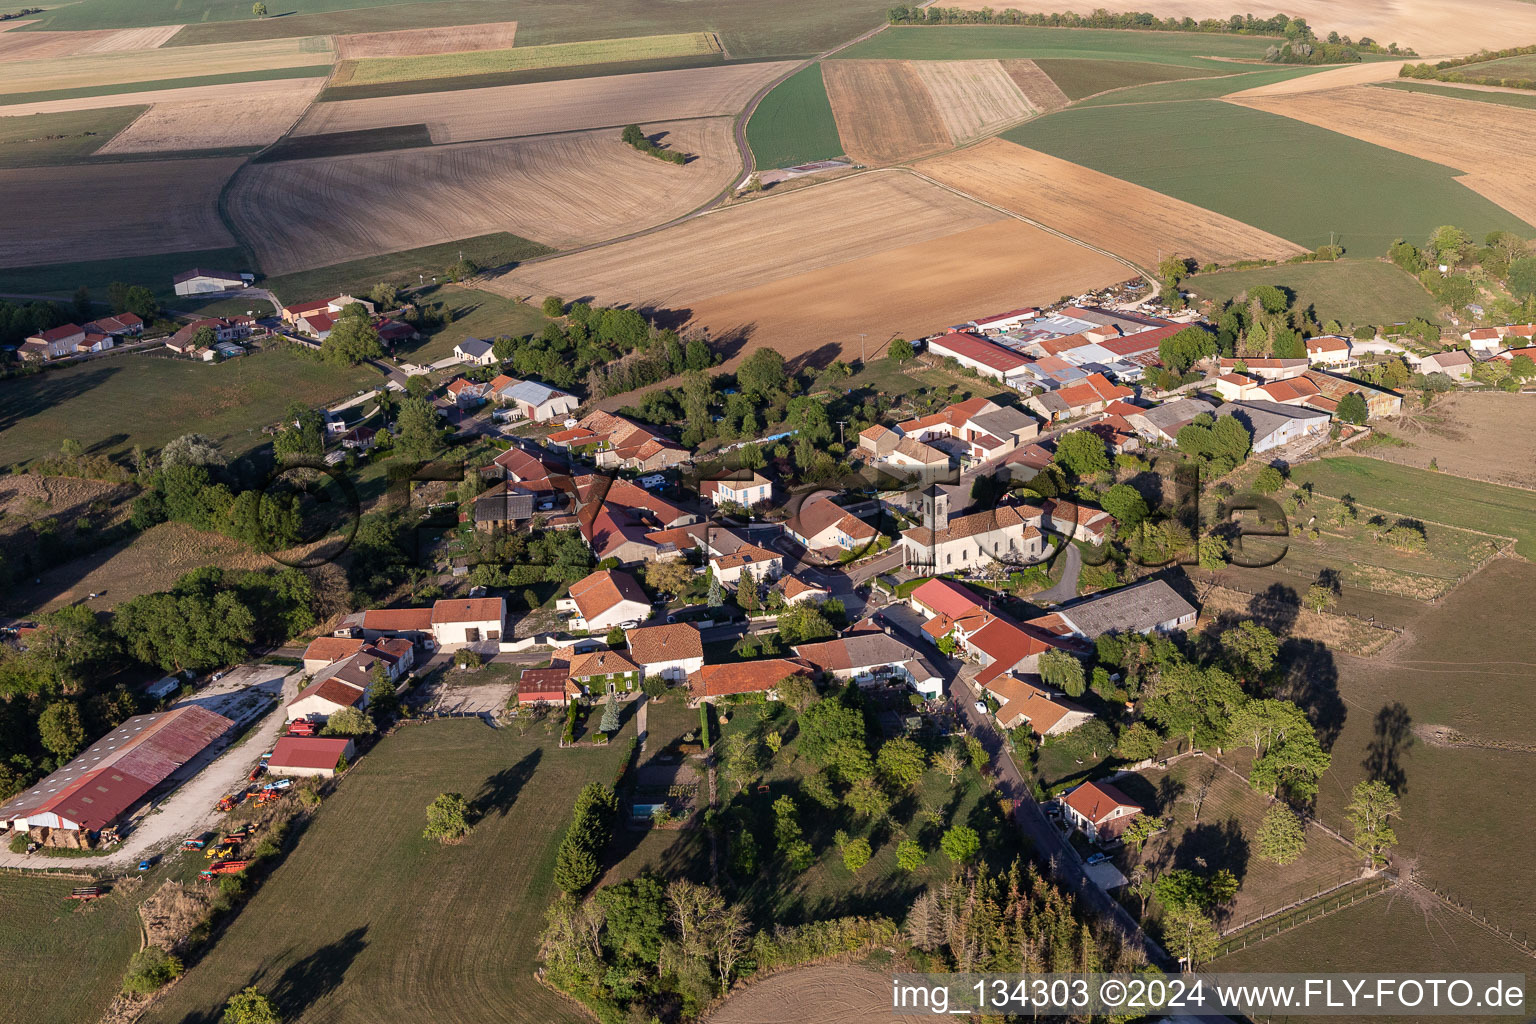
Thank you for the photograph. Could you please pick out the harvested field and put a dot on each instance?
(310, 213)
(1127, 219)
(909, 291)
(974, 97)
(884, 113)
(258, 115)
(38, 45)
(150, 38)
(91, 212)
(1079, 78)
(522, 58)
(805, 230)
(824, 994)
(148, 97)
(1333, 78)
(111, 69)
(1435, 27)
(1038, 88)
(508, 111)
(1481, 93)
(1465, 435)
(416, 41)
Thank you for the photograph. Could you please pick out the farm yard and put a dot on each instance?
(255, 116)
(300, 214)
(115, 69)
(414, 42)
(1134, 222)
(1353, 292)
(1466, 435)
(397, 903)
(884, 114)
(537, 108)
(113, 209)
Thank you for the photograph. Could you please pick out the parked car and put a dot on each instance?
(981, 709)
(1098, 858)
(145, 865)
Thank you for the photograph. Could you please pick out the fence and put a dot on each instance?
(1301, 914)
(54, 873)
(1522, 940)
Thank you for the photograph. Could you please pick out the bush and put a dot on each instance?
(151, 968)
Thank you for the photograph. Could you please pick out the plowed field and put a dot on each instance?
(1042, 93)
(413, 42)
(94, 212)
(884, 113)
(255, 115)
(974, 97)
(508, 111)
(1135, 222)
(562, 190)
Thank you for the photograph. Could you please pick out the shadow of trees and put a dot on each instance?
(500, 791)
(1391, 738)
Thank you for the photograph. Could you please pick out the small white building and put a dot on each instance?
(1331, 350)
(741, 492)
(538, 402)
(198, 281)
(476, 351)
(766, 565)
(460, 621)
(605, 599)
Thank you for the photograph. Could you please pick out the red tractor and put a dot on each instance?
(302, 727)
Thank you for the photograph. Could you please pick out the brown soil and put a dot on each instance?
(884, 113)
(1467, 435)
(1043, 94)
(37, 45)
(415, 42)
(1337, 78)
(974, 97)
(824, 994)
(1124, 218)
(255, 117)
(119, 67)
(197, 93)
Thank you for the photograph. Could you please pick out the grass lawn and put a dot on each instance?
(264, 75)
(1080, 78)
(1198, 88)
(395, 922)
(1353, 292)
(112, 404)
(1228, 159)
(82, 950)
(493, 250)
(521, 58)
(963, 42)
(1440, 497)
(476, 314)
(1507, 99)
(793, 124)
(39, 140)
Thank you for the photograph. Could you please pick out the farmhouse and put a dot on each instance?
(1330, 350)
(502, 508)
(1161, 424)
(1079, 522)
(343, 685)
(972, 541)
(459, 621)
(1265, 369)
(873, 657)
(1273, 425)
(1331, 388)
(944, 600)
(325, 650)
(986, 428)
(201, 282)
(615, 441)
(1090, 395)
(1484, 339)
(529, 472)
(824, 527)
(712, 682)
(546, 685)
(537, 402)
(672, 651)
(411, 623)
(605, 599)
(604, 671)
(53, 343)
(1151, 606)
(466, 394)
(310, 756)
(1456, 364)
(1002, 646)
(100, 786)
(747, 493)
(476, 351)
(619, 517)
(1099, 810)
(1047, 713)
(985, 357)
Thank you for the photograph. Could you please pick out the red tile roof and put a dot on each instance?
(946, 597)
(597, 593)
(475, 609)
(307, 752)
(986, 353)
(398, 620)
(1095, 800)
(744, 676)
(331, 648)
(652, 645)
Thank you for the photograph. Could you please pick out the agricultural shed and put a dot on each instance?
(310, 755)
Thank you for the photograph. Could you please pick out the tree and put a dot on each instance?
(1450, 244)
(348, 722)
(826, 724)
(150, 969)
(804, 623)
(303, 432)
(740, 762)
(1269, 480)
(900, 350)
(1280, 836)
(141, 302)
(901, 762)
(1062, 671)
(1194, 702)
(1082, 453)
(249, 1006)
(383, 701)
(949, 763)
(670, 577)
(353, 338)
(1352, 409)
(1269, 298)
(447, 819)
(1373, 807)
(762, 375)
(856, 854)
(1251, 646)
(1190, 934)
(1138, 742)
(60, 729)
(910, 855)
(420, 434)
(798, 691)
(1522, 277)
(610, 723)
(82, 303)
(1185, 348)
(948, 645)
(1126, 504)
(259, 9)
(1319, 598)
(1142, 828)
(961, 844)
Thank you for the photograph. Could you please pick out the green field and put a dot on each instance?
(1353, 292)
(266, 75)
(40, 140)
(366, 921)
(555, 74)
(1504, 99)
(961, 42)
(1521, 66)
(1197, 88)
(476, 314)
(81, 950)
(406, 267)
(154, 271)
(112, 404)
(793, 124)
(1437, 497)
(1080, 78)
(1298, 181)
(88, 14)
(380, 70)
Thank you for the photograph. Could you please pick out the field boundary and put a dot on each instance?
(1464, 476)
(1305, 911)
(1481, 920)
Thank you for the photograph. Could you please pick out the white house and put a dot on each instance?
(873, 657)
(343, 685)
(605, 599)
(973, 541)
(673, 651)
(824, 527)
(201, 282)
(766, 565)
(474, 350)
(538, 402)
(1456, 364)
(1329, 350)
(460, 621)
(742, 492)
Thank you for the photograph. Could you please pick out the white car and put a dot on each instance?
(981, 709)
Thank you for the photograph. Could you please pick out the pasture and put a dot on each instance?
(1223, 158)
(476, 314)
(256, 117)
(794, 124)
(497, 249)
(1465, 435)
(972, 42)
(1134, 222)
(108, 210)
(1353, 292)
(81, 949)
(399, 908)
(1079, 79)
(112, 404)
(38, 140)
(1522, 66)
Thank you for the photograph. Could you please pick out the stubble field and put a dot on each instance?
(1135, 222)
(36, 45)
(112, 69)
(884, 113)
(823, 994)
(310, 213)
(416, 41)
(513, 110)
(1039, 88)
(250, 116)
(93, 212)
(1332, 78)
(974, 97)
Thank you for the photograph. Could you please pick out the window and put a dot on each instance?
(493, 634)
(471, 634)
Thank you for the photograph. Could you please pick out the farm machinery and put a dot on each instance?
(224, 867)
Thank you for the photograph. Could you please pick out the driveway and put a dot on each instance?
(1065, 590)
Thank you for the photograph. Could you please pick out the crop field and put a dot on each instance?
(97, 14)
(113, 210)
(369, 140)
(1126, 219)
(1353, 292)
(132, 96)
(1487, 141)
(972, 42)
(256, 116)
(1223, 159)
(301, 214)
(508, 111)
(1465, 435)
(1432, 497)
(497, 249)
(1079, 79)
(1197, 88)
(37, 140)
(1039, 88)
(397, 906)
(35, 102)
(81, 950)
(56, 74)
(884, 114)
(103, 404)
(414, 42)
(1331, 78)
(794, 124)
(1513, 98)
(32, 45)
(802, 231)
(381, 70)
(826, 993)
(974, 97)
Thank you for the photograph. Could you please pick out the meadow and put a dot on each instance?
(1083, 78)
(39, 140)
(1504, 99)
(112, 404)
(1353, 292)
(1229, 159)
(1521, 66)
(81, 949)
(793, 124)
(494, 250)
(394, 922)
(476, 314)
(972, 42)
(153, 270)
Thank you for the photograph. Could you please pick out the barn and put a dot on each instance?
(198, 281)
(310, 755)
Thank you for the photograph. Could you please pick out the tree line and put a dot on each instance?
(1445, 70)
(635, 137)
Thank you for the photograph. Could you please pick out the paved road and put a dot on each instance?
(1066, 590)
